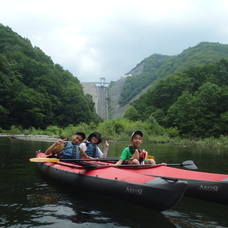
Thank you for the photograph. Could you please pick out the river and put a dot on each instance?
(29, 199)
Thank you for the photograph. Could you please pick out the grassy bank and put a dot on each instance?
(120, 129)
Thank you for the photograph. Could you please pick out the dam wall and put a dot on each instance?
(98, 94)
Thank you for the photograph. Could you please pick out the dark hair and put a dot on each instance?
(81, 133)
(95, 134)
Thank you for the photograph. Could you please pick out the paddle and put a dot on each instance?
(189, 164)
(186, 164)
(49, 159)
(70, 160)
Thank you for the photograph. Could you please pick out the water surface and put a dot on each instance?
(29, 199)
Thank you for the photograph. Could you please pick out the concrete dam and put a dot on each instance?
(98, 92)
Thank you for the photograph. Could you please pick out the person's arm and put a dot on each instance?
(83, 146)
(99, 153)
(106, 146)
(83, 155)
(119, 162)
(123, 156)
(52, 148)
(135, 155)
(146, 154)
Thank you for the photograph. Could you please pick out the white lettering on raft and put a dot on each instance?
(209, 188)
(136, 191)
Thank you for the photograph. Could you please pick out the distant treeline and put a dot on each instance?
(35, 92)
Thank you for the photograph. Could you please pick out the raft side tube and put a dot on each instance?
(157, 194)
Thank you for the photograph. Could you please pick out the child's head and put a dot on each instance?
(95, 138)
(136, 138)
(78, 137)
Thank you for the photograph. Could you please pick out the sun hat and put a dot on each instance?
(138, 132)
(96, 134)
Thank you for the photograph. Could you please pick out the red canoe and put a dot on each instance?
(202, 185)
(97, 177)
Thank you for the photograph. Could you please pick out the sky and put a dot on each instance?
(108, 38)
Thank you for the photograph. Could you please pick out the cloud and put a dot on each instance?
(94, 39)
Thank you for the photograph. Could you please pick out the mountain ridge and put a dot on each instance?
(156, 67)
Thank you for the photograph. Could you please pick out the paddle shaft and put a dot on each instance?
(93, 159)
(50, 159)
(181, 165)
(187, 164)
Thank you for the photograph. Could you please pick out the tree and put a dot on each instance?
(132, 114)
(196, 115)
(35, 92)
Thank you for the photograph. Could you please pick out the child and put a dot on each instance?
(132, 155)
(91, 146)
(68, 149)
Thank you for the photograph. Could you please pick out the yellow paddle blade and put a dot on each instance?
(149, 157)
(44, 160)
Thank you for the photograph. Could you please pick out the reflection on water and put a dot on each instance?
(29, 199)
(65, 204)
(201, 213)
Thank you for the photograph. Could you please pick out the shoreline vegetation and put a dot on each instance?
(115, 130)
(208, 142)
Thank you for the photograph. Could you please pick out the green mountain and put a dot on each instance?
(192, 103)
(156, 67)
(187, 93)
(35, 92)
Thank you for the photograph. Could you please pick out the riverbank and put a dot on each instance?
(209, 142)
(44, 138)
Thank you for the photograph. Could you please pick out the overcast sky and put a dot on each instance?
(108, 38)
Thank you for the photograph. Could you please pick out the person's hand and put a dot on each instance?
(106, 143)
(60, 141)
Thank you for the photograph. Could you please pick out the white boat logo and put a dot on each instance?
(137, 191)
(209, 188)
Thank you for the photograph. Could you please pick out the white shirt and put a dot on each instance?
(100, 153)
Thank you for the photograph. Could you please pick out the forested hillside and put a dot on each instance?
(158, 66)
(35, 92)
(188, 94)
(192, 103)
